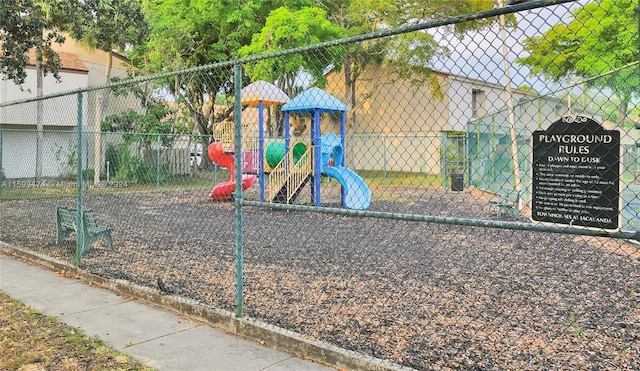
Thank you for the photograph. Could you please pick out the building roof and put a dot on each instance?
(68, 61)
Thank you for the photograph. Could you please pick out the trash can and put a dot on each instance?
(457, 182)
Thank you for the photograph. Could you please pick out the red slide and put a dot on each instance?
(224, 190)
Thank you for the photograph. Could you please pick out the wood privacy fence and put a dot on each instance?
(177, 160)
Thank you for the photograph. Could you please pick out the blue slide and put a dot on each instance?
(357, 193)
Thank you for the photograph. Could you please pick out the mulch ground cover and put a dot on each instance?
(424, 295)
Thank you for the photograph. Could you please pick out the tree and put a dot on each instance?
(285, 29)
(23, 28)
(187, 33)
(598, 44)
(406, 56)
(112, 25)
(36, 24)
(142, 129)
(137, 126)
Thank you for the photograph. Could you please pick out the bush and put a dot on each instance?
(88, 174)
(135, 170)
(112, 156)
(67, 159)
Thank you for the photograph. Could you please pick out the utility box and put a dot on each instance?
(457, 182)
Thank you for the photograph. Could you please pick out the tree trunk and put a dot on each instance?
(276, 122)
(102, 100)
(622, 112)
(269, 122)
(350, 77)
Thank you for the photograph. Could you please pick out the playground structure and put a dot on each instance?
(224, 190)
(287, 167)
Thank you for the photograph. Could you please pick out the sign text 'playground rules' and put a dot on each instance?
(576, 174)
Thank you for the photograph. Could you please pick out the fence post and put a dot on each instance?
(237, 137)
(1, 170)
(384, 159)
(79, 220)
(158, 163)
(196, 165)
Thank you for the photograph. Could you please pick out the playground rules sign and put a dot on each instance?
(576, 174)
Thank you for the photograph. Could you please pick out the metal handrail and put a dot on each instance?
(295, 176)
(277, 178)
(299, 173)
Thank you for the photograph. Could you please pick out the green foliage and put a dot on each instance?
(286, 29)
(88, 173)
(111, 156)
(115, 24)
(186, 33)
(528, 89)
(598, 43)
(134, 169)
(624, 82)
(406, 56)
(67, 159)
(601, 37)
(29, 24)
(140, 127)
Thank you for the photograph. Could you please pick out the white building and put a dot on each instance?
(80, 69)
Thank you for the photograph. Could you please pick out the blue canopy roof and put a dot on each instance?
(312, 99)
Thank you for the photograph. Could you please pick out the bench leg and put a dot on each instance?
(491, 208)
(107, 235)
(90, 241)
(61, 234)
(507, 209)
(87, 244)
(499, 208)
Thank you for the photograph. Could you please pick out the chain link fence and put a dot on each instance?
(390, 214)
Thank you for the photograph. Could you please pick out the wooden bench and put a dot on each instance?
(66, 224)
(500, 205)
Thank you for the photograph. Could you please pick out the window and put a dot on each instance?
(477, 102)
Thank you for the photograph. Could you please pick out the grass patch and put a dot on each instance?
(375, 178)
(52, 188)
(206, 179)
(33, 341)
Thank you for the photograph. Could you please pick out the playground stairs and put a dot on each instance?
(285, 196)
(284, 186)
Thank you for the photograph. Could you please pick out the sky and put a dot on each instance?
(479, 54)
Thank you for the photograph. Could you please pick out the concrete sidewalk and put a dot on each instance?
(159, 338)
